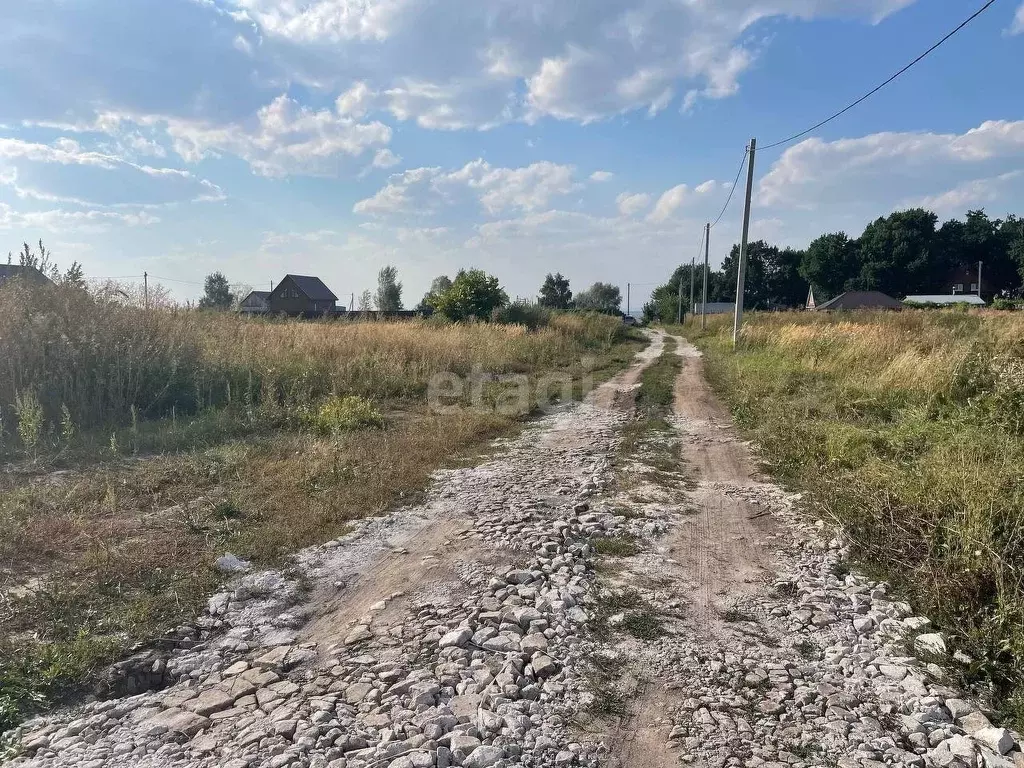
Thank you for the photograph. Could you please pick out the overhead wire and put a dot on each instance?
(732, 190)
(882, 85)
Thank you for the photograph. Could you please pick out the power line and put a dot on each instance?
(736, 181)
(175, 280)
(876, 89)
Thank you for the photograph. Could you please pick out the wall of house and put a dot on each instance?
(298, 304)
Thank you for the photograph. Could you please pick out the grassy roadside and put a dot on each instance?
(649, 436)
(908, 429)
(108, 531)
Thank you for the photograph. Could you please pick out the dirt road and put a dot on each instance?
(560, 604)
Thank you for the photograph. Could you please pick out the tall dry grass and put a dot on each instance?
(90, 362)
(908, 429)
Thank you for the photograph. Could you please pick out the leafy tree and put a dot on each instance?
(473, 293)
(828, 263)
(438, 286)
(366, 301)
(600, 297)
(74, 276)
(216, 292)
(389, 290)
(555, 293)
(772, 278)
(898, 255)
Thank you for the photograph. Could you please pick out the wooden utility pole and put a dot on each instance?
(979, 279)
(704, 299)
(741, 272)
(145, 288)
(627, 299)
(679, 301)
(693, 266)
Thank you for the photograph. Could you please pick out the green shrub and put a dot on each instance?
(343, 414)
(533, 316)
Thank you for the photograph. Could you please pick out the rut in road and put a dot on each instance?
(481, 628)
(772, 654)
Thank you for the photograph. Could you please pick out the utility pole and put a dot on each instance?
(741, 272)
(979, 279)
(679, 301)
(145, 288)
(627, 299)
(352, 302)
(693, 266)
(704, 300)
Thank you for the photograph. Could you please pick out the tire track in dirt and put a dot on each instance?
(711, 555)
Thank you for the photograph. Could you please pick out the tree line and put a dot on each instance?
(902, 254)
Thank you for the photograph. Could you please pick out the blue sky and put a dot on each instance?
(331, 137)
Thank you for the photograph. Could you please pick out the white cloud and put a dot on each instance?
(1017, 25)
(631, 204)
(673, 200)
(422, 190)
(969, 194)
(331, 21)
(66, 221)
(356, 101)
(385, 158)
(287, 139)
(600, 176)
(65, 172)
(890, 165)
(505, 60)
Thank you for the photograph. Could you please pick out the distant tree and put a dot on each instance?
(897, 255)
(828, 263)
(600, 297)
(216, 292)
(473, 293)
(555, 293)
(74, 276)
(389, 290)
(365, 301)
(438, 286)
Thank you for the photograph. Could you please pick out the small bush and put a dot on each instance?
(533, 316)
(344, 414)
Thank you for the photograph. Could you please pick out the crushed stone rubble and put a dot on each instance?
(815, 666)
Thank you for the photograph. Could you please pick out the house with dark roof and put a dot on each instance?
(302, 295)
(852, 300)
(256, 303)
(16, 271)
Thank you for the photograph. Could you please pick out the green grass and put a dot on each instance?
(650, 438)
(906, 429)
(190, 434)
(616, 546)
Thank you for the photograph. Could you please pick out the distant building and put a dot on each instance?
(811, 303)
(256, 303)
(964, 279)
(946, 300)
(302, 295)
(716, 308)
(16, 271)
(852, 300)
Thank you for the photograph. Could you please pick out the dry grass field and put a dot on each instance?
(908, 429)
(139, 446)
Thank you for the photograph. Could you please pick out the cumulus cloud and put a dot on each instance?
(422, 190)
(599, 176)
(673, 200)
(286, 139)
(78, 221)
(894, 165)
(65, 172)
(631, 204)
(1017, 25)
(505, 60)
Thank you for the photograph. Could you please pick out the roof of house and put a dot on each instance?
(258, 295)
(16, 270)
(956, 298)
(313, 287)
(859, 300)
